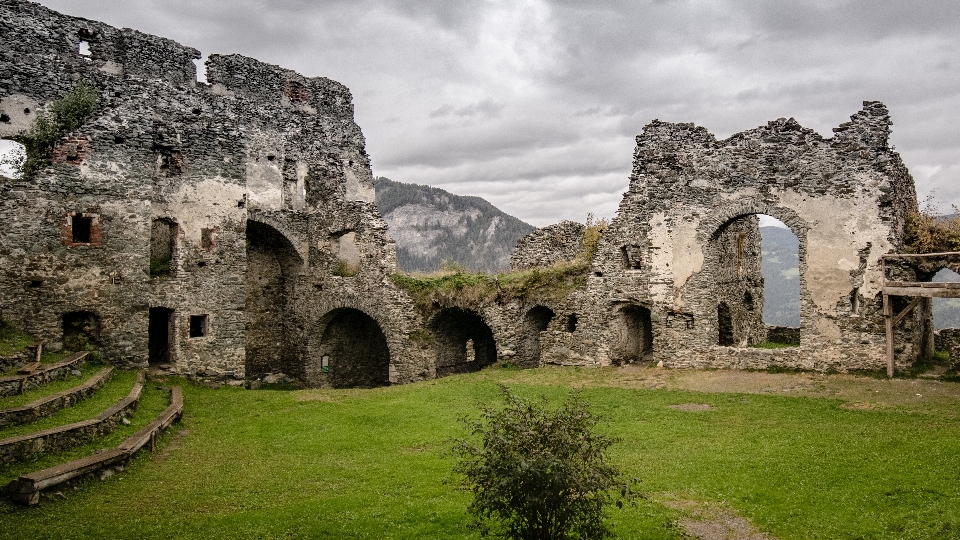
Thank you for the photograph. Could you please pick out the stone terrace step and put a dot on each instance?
(11, 386)
(23, 447)
(26, 489)
(48, 405)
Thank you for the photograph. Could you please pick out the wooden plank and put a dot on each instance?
(906, 310)
(939, 292)
(888, 316)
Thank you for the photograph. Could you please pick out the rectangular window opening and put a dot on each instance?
(199, 325)
(81, 226)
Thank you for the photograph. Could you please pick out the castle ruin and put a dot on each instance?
(228, 230)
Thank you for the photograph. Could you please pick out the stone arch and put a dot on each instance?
(535, 320)
(284, 228)
(352, 351)
(733, 264)
(636, 333)
(463, 340)
(273, 266)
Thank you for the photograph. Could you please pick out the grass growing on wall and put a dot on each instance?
(375, 464)
(454, 285)
(458, 287)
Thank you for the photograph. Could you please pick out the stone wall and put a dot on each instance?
(688, 218)
(548, 245)
(251, 195)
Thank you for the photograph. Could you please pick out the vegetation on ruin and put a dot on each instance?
(773, 345)
(539, 472)
(881, 463)
(63, 116)
(454, 285)
(927, 231)
(345, 269)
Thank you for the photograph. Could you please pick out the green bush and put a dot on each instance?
(65, 115)
(539, 473)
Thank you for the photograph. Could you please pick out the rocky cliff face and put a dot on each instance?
(431, 226)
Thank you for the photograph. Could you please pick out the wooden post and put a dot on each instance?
(888, 317)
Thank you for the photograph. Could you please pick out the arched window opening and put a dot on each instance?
(757, 282)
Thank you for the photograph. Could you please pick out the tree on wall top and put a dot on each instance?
(538, 473)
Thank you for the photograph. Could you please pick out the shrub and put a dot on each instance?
(591, 238)
(65, 115)
(539, 473)
(927, 231)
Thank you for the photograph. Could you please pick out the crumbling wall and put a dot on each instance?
(260, 148)
(846, 199)
(548, 245)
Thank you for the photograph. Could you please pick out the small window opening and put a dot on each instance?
(748, 300)
(84, 49)
(81, 229)
(36, 283)
(199, 325)
(5, 118)
(26, 110)
(598, 274)
(206, 238)
(201, 64)
(271, 157)
(571, 325)
(855, 301)
(201, 264)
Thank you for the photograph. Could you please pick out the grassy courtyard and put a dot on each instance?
(797, 455)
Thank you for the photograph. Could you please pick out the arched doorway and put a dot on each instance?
(535, 320)
(272, 269)
(756, 276)
(353, 351)
(464, 342)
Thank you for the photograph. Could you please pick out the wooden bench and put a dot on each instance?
(26, 489)
(17, 384)
(48, 405)
(23, 447)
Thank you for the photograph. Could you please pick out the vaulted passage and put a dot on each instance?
(636, 333)
(464, 342)
(534, 321)
(272, 269)
(353, 351)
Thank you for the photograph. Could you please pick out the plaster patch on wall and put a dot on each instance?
(680, 255)
(197, 207)
(840, 228)
(264, 185)
(15, 107)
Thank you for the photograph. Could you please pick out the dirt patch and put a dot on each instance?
(714, 522)
(174, 444)
(693, 407)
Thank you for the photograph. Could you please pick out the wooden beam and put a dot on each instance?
(888, 316)
(906, 310)
(926, 292)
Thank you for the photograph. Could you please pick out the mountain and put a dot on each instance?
(781, 276)
(431, 225)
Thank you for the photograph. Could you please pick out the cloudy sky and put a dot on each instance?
(534, 104)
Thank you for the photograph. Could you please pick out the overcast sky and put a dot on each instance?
(534, 105)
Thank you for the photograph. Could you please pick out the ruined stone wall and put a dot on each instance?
(260, 153)
(548, 245)
(845, 199)
(687, 223)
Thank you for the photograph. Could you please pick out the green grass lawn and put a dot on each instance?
(374, 464)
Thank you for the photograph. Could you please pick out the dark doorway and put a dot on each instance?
(636, 333)
(535, 321)
(161, 331)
